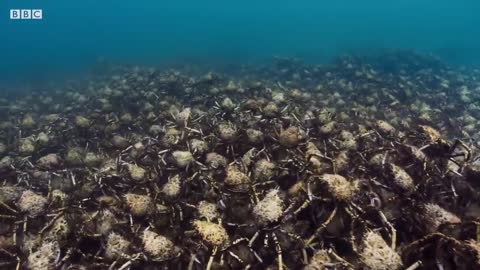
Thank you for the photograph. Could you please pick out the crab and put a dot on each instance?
(213, 238)
(449, 252)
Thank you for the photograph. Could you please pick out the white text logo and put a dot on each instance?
(26, 14)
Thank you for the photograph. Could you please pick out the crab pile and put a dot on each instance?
(367, 163)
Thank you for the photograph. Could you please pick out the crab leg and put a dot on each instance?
(320, 229)
(210, 260)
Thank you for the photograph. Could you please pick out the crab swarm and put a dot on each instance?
(366, 163)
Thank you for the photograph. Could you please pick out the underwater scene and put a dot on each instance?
(213, 135)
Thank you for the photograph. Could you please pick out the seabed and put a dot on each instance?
(364, 163)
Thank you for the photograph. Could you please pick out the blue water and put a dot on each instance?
(74, 34)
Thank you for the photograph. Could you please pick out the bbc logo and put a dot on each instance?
(26, 14)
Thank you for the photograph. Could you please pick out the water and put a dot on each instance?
(74, 35)
(214, 135)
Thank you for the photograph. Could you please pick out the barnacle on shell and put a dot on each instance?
(269, 209)
(291, 136)
(31, 203)
(340, 188)
(44, 257)
(159, 247)
(237, 180)
(182, 158)
(139, 205)
(116, 246)
(376, 254)
(213, 234)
